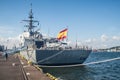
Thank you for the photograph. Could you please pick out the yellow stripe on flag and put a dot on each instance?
(62, 34)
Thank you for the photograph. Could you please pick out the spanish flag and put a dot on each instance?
(62, 34)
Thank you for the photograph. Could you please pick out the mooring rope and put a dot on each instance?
(30, 56)
(103, 61)
(50, 57)
(90, 63)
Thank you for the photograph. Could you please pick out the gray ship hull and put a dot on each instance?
(56, 57)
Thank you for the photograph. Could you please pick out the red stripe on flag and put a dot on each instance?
(63, 30)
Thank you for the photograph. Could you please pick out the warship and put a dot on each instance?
(1, 50)
(49, 51)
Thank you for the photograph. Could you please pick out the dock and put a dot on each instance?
(16, 68)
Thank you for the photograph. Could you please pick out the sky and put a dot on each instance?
(95, 23)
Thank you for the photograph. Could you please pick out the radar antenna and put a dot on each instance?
(30, 25)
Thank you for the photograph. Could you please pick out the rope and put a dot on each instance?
(50, 57)
(103, 61)
(30, 55)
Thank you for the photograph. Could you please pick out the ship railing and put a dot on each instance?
(61, 48)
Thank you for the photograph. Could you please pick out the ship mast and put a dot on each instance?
(30, 25)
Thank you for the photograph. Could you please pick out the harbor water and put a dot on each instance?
(107, 67)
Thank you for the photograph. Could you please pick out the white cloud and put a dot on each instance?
(9, 42)
(90, 40)
(104, 38)
(116, 38)
(4, 30)
(103, 42)
(7, 31)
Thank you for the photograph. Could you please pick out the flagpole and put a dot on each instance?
(67, 34)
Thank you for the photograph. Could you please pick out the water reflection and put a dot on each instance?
(72, 73)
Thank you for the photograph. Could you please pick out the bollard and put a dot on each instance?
(13, 64)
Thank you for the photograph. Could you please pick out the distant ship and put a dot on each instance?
(1, 50)
(49, 51)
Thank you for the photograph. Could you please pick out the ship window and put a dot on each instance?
(39, 44)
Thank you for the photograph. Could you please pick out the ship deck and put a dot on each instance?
(15, 68)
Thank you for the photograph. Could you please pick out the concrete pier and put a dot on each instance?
(15, 68)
